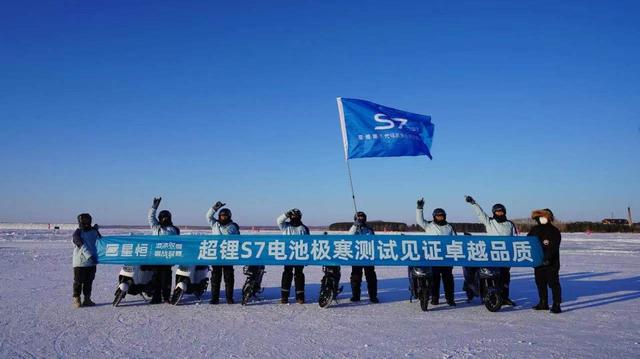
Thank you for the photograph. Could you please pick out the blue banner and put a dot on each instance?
(372, 130)
(380, 250)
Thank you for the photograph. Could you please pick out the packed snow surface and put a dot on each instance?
(600, 277)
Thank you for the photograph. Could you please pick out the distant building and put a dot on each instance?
(615, 221)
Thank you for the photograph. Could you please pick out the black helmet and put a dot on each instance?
(498, 207)
(164, 217)
(439, 211)
(360, 215)
(296, 212)
(84, 220)
(224, 212)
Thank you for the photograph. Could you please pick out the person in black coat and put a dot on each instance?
(547, 275)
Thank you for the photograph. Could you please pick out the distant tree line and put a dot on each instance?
(523, 226)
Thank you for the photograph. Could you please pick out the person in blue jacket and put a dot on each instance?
(162, 274)
(438, 227)
(290, 223)
(84, 260)
(360, 227)
(498, 225)
(221, 226)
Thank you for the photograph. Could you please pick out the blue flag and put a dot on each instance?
(372, 130)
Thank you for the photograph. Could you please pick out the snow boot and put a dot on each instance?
(284, 296)
(215, 294)
(374, 300)
(542, 305)
(156, 299)
(76, 302)
(87, 302)
(555, 308)
(300, 297)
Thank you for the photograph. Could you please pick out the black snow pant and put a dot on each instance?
(356, 281)
(548, 277)
(217, 273)
(83, 280)
(446, 273)
(505, 278)
(161, 282)
(288, 276)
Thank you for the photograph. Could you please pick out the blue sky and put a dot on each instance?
(105, 105)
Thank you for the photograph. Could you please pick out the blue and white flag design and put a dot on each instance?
(372, 130)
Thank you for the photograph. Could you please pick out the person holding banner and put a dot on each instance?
(498, 225)
(84, 260)
(161, 226)
(548, 273)
(360, 227)
(438, 227)
(222, 226)
(290, 223)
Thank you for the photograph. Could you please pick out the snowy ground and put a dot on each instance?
(600, 283)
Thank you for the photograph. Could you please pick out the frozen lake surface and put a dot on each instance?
(600, 276)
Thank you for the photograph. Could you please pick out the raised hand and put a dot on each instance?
(156, 202)
(421, 203)
(469, 199)
(218, 205)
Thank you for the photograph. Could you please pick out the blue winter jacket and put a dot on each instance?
(287, 228)
(432, 228)
(159, 230)
(84, 250)
(494, 228)
(217, 228)
(361, 230)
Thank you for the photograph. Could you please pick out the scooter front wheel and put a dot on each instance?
(326, 296)
(424, 299)
(493, 301)
(177, 296)
(247, 293)
(119, 297)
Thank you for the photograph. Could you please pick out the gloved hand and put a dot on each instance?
(156, 202)
(469, 199)
(218, 205)
(421, 203)
(96, 227)
(289, 213)
(546, 262)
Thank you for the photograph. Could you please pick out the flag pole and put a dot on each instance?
(353, 195)
(345, 143)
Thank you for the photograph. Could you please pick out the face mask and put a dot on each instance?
(543, 220)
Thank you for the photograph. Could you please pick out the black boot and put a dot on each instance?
(299, 297)
(355, 291)
(215, 294)
(542, 305)
(229, 280)
(284, 296)
(555, 308)
(156, 299)
(228, 291)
